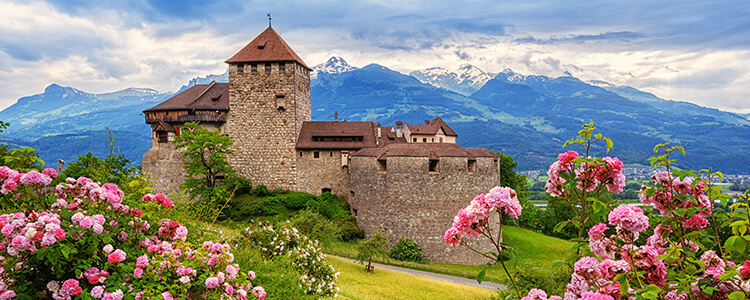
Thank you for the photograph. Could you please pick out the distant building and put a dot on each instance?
(407, 181)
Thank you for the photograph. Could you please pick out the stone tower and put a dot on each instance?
(269, 98)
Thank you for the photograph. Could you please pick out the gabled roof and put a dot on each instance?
(432, 128)
(336, 129)
(430, 150)
(267, 46)
(212, 96)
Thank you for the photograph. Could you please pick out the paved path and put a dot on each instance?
(459, 280)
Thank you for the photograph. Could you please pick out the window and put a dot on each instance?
(316, 154)
(441, 140)
(240, 69)
(163, 137)
(331, 153)
(268, 69)
(382, 165)
(300, 154)
(354, 211)
(415, 140)
(424, 140)
(433, 140)
(282, 69)
(472, 166)
(253, 69)
(434, 166)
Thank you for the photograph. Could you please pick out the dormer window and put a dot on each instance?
(240, 69)
(268, 69)
(253, 69)
(261, 45)
(214, 99)
(282, 69)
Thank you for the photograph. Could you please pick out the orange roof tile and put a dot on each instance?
(267, 46)
(213, 96)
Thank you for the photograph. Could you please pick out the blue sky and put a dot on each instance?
(697, 51)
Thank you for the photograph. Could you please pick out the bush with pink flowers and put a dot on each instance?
(92, 242)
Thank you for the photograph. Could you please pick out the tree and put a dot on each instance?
(375, 246)
(206, 164)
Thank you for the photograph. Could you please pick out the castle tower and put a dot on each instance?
(269, 98)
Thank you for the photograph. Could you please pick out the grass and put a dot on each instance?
(355, 283)
(533, 251)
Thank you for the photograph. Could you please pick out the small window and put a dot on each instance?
(191, 112)
(433, 140)
(268, 69)
(316, 154)
(472, 166)
(434, 166)
(415, 140)
(424, 140)
(300, 154)
(282, 69)
(240, 69)
(163, 137)
(382, 165)
(253, 69)
(331, 153)
(354, 211)
(441, 140)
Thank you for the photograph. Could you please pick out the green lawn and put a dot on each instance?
(355, 283)
(533, 251)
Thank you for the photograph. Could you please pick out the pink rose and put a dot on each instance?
(212, 282)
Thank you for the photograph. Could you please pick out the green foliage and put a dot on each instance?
(240, 185)
(24, 159)
(375, 246)
(316, 226)
(406, 250)
(349, 229)
(206, 164)
(329, 205)
(296, 200)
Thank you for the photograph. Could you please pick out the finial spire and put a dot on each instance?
(269, 19)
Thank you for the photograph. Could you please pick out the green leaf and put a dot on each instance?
(609, 144)
(480, 276)
(66, 252)
(739, 245)
(729, 243)
(598, 136)
(559, 227)
(736, 296)
(624, 285)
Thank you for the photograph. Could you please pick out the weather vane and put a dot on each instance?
(269, 19)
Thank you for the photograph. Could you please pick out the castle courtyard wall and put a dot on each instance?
(408, 201)
(325, 172)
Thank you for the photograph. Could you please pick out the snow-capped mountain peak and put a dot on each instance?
(334, 65)
(465, 80)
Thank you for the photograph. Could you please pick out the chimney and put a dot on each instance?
(378, 129)
(399, 129)
(335, 116)
(427, 122)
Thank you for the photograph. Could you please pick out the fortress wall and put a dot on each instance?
(408, 201)
(316, 174)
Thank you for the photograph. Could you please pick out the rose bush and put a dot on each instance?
(93, 242)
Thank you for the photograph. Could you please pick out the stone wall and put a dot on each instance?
(408, 201)
(266, 112)
(325, 172)
(163, 165)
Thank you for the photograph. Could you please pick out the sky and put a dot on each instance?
(696, 51)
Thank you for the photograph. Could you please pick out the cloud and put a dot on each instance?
(602, 37)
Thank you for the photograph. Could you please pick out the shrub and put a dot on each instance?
(93, 233)
(285, 241)
(261, 191)
(316, 226)
(330, 206)
(296, 200)
(406, 250)
(349, 229)
(240, 185)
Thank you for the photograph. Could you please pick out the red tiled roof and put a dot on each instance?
(267, 46)
(365, 130)
(432, 150)
(432, 128)
(388, 136)
(213, 96)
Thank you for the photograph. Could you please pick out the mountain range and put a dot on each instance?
(525, 116)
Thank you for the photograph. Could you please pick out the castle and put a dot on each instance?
(408, 181)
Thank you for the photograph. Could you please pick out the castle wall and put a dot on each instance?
(408, 201)
(163, 165)
(266, 112)
(325, 172)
